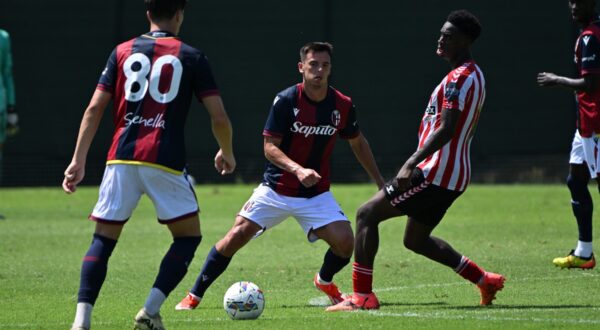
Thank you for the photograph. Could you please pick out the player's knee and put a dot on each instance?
(344, 247)
(237, 237)
(364, 215)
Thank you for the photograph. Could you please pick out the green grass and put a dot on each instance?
(514, 230)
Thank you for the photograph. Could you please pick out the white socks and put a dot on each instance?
(155, 299)
(584, 249)
(321, 281)
(83, 316)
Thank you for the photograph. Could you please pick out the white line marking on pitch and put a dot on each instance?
(483, 318)
(476, 315)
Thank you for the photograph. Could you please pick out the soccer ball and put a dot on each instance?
(244, 301)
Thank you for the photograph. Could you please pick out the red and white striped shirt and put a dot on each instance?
(463, 89)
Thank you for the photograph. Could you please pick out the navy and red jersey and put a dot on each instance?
(152, 79)
(308, 132)
(587, 59)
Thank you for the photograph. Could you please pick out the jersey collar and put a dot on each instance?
(160, 34)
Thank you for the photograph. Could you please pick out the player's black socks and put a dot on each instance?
(582, 207)
(332, 264)
(175, 263)
(214, 266)
(93, 270)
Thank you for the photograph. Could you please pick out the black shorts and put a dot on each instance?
(423, 201)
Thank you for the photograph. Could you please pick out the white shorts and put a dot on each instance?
(123, 186)
(586, 150)
(268, 209)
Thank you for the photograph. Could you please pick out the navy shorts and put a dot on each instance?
(423, 201)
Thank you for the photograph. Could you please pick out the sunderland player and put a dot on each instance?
(302, 127)
(585, 157)
(434, 176)
(8, 116)
(151, 80)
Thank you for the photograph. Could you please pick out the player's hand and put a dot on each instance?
(307, 176)
(545, 79)
(403, 177)
(73, 176)
(224, 164)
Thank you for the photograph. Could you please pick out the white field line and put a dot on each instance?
(448, 316)
(508, 280)
(477, 315)
(323, 302)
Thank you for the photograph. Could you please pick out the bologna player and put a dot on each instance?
(434, 176)
(302, 127)
(585, 157)
(151, 80)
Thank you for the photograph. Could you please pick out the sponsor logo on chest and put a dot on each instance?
(308, 130)
(154, 122)
(324, 129)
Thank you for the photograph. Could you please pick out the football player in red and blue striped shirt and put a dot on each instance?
(434, 176)
(151, 80)
(301, 130)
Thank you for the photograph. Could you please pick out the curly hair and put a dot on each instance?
(466, 22)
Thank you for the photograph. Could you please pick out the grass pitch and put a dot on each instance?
(514, 230)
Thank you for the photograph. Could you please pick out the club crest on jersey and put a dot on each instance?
(451, 92)
(336, 118)
(248, 206)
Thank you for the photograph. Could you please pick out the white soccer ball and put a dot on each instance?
(244, 301)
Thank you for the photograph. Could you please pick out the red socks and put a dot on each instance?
(469, 270)
(362, 278)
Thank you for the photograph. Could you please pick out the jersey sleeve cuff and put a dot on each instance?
(590, 71)
(105, 88)
(271, 134)
(207, 93)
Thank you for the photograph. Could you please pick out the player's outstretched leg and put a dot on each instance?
(218, 260)
(417, 238)
(339, 236)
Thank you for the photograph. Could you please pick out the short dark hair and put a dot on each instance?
(466, 22)
(315, 46)
(164, 9)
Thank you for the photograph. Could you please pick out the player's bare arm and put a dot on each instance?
(222, 131)
(364, 155)
(87, 130)
(585, 84)
(308, 177)
(441, 136)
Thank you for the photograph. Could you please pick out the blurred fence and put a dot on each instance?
(384, 58)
